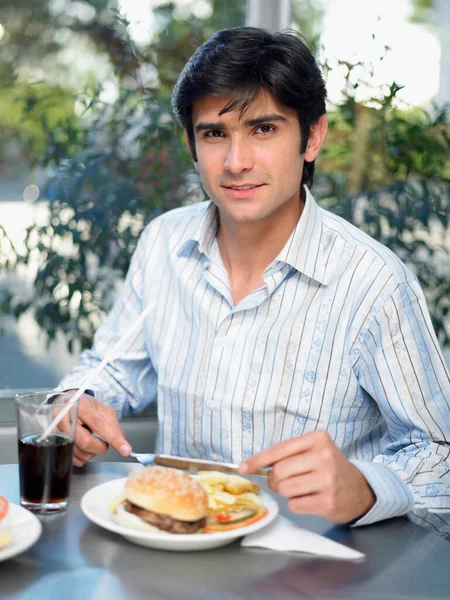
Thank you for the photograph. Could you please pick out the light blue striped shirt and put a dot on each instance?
(338, 338)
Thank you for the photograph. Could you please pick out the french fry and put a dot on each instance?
(233, 484)
(211, 477)
(112, 506)
(240, 486)
(5, 538)
(228, 492)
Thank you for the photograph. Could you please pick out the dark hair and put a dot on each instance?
(239, 63)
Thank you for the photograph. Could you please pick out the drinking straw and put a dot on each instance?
(87, 382)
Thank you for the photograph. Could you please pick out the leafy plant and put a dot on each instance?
(111, 168)
(386, 169)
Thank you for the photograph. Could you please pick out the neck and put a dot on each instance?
(250, 247)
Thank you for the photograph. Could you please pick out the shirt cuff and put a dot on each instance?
(90, 393)
(393, 497)
(60, 388)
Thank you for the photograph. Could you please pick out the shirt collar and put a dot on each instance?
(307, 249)
(203, 230)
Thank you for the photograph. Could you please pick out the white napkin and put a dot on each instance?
(284, 535)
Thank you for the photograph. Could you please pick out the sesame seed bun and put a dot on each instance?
(168, 492)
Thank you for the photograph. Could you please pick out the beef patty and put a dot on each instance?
(165, 522)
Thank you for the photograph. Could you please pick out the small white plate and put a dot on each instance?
(25, 528)
(94, 505)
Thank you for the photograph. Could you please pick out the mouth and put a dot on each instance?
(241, 191)
(246, 186)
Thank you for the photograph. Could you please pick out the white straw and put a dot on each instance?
(86, 384)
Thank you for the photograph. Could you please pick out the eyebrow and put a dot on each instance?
(201, 126)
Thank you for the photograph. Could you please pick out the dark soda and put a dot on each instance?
(45, 467)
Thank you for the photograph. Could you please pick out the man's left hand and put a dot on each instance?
(315, 476)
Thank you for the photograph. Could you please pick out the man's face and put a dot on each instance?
(250, 164)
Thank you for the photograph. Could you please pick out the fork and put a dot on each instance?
(144, 459)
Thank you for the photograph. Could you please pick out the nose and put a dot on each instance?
(239, 156)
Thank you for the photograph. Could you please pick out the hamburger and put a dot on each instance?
(160, 499)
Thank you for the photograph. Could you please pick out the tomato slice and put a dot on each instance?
(228, 527)
(3, 507)
(223, 517)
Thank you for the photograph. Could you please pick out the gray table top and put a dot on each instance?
(76, 559)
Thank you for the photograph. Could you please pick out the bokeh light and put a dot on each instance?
(31, 193)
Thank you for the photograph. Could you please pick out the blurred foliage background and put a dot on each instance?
(101, 132)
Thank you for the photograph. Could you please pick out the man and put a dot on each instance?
(280, 334)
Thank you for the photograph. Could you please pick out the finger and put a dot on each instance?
(273, 483)
(320, 504)
(295, 465)
(301, 485)
(82, 456)
(88, 442)
(103, 421)
(306, 505)
(277, 452)
(77, 462)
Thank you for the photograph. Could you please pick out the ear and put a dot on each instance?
(316, 137)
(186, 139)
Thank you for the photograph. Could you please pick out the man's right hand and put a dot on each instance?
(96, 417)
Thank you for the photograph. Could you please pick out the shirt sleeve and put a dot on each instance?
(129, 382)
(402, 368)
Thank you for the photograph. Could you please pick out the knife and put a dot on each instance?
(191, 464)
(185, 464)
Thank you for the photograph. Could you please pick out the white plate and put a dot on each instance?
(24, 527)
(94, 505)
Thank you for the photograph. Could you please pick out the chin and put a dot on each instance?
(243, 211)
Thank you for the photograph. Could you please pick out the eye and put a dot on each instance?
(213, 133)
(265, 129)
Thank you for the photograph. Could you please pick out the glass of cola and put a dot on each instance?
(45, 463)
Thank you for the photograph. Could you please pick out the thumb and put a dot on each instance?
(112, 434)
(103, 423)
(122, 446)
(117, 440)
